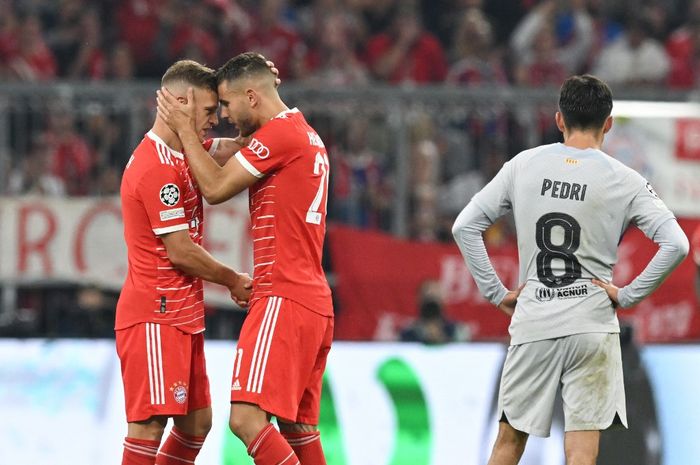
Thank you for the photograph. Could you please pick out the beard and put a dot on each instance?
(246, 126)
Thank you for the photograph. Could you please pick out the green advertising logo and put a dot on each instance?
(413, 440)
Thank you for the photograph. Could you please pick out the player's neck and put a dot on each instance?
(272, 109)
(167, 135)
(584, 139)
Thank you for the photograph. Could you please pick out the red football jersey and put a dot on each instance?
(288, 211)
(159, 195)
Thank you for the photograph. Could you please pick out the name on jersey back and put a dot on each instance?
(563, 190)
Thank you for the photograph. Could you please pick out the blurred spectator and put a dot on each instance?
(120, 64)
(333, 61)
(544, 66)
(683, 48)
(33, 60)
(377, 14)
(65, 35)
(573, 34)
(361, 195)
(71, 157)
(108, 182)
(186, 31)
(407, 53)
(656, 13)
(33, 176)
(634, 58)
(138, 25)
(432, 327)
(89, 60)
(425, 171)
(461, 188)
(90, 315)
(9, 25)
(474, 57)
(272, 36)
(606, 28)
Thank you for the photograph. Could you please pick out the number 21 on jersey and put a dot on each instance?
(321, 167)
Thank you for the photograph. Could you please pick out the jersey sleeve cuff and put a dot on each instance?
(214, 145)
(248, 166)
(169, 229)
(498, 297)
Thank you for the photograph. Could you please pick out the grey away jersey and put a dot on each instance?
(571, 208)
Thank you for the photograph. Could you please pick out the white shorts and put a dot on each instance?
(589, 368)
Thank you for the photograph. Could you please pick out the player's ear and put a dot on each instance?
(253, 97)
(559, 119)
(608, 124)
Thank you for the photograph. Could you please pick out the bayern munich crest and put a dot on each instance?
(179, 390)
(169, 194)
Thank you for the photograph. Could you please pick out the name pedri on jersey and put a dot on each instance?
(159, 195)
(288, 211)
(571, 209)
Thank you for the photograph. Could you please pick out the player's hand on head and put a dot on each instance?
(178, 114)
(274, 71)
(508, 303)
(240, 291)
(609, 289)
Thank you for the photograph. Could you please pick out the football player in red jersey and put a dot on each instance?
(160, 314)
(284, 342)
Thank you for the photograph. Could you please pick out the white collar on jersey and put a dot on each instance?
(152, 135)
(283, 113)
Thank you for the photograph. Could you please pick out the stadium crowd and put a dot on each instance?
(328, 44)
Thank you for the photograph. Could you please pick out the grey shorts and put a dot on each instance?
(588, 367)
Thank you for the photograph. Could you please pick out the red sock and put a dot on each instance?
(179, 448)
(307, 446)
(270, 448)
(139, 451)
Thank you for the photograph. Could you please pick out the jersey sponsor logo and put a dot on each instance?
(169, 194)
(651, 190)
(546, 294)
(179, 390)
(172, 214)
(259, 149)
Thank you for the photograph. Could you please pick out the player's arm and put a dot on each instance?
(673, 248)
(226, 147)
(217, 183)
(468, 232)
(194, 260)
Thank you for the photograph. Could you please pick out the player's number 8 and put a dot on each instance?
(564, 251)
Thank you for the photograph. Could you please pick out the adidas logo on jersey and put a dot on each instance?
(236, 386)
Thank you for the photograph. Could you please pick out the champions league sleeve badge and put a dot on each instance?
(169, 194)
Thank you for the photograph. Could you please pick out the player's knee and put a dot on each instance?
(203, 426)
(580, 455)
(151, 430)
(237, 425)
(245, 427)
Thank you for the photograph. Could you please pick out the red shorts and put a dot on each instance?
(163, 371)
(280, 359)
